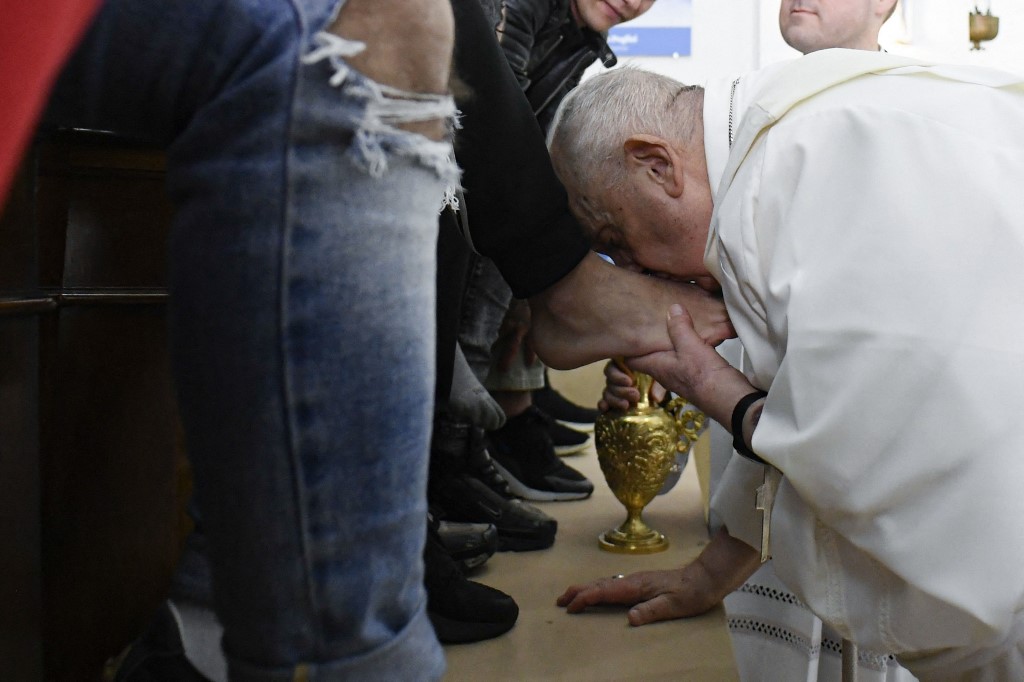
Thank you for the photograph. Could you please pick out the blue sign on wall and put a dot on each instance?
(662, 31)
(638, 41)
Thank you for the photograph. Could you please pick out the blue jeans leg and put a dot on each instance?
(302, 309)
(485, 301)
(484, 305)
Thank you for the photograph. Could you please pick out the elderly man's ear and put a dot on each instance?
(659, 163)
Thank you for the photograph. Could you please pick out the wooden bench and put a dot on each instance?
(93, 475)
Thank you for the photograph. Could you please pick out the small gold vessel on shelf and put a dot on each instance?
(982, 27)
(637, 450)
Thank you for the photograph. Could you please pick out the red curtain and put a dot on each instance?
(36, 36)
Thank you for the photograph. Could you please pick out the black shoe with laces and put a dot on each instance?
(566, 441)
(525, 457)
(563, 410)
(465, 486)
(462, 610)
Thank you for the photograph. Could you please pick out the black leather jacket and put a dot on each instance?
(548, 51)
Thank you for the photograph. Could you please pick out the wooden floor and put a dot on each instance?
(549, 644)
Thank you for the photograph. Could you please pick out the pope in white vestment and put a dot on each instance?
(870, 244)
(868, 235)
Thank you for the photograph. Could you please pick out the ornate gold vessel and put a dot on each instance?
(982, 27)
(637, 450)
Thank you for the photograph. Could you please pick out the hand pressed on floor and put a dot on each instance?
(723, 565)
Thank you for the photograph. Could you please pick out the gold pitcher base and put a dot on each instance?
(647, 542)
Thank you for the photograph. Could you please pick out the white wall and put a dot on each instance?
(725, 42)
(733, 36)
(938, 30)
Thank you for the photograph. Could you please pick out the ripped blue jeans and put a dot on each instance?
(302, 265)
(485, 303)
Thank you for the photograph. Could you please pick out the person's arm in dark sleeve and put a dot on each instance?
(517, 31)
(517, 209)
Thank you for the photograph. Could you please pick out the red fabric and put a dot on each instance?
(36, 36)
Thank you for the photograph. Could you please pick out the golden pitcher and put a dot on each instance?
(636, 450)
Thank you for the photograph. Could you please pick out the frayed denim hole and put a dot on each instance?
(387, 107)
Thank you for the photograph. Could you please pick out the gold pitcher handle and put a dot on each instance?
(690, 421)
(620, 362)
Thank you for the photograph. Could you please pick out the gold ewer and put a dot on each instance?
(981, 27)
(637, 450)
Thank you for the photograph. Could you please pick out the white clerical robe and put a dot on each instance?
(868, 233)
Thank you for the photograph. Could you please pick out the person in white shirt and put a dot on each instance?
(812, 25)
(766, 621)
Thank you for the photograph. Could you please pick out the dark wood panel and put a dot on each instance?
(93, 478)
(110, 523)
(21, 650)
(103, 207)
(19, 264)
(20, 526)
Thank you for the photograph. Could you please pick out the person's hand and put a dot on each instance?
(653, 595)
(620, 390)
(724, 564)
(512, 336)
(694, 370)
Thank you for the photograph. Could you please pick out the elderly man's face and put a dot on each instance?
(647, 233)
(601, 15)
(810, 25)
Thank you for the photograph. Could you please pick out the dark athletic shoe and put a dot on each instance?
(469, 544)
(566, 441)
(525, 456)
(467, 487)
(462, 610)
(563, 410)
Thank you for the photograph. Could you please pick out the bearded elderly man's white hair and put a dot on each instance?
(597, 117)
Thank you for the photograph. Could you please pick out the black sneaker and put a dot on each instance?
(469, 544)
(566, 441)
(465, 486)
(525, 457)
(158, 655)
(462, 610)
(564, 410)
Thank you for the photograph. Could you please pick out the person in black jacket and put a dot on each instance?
(548, 44)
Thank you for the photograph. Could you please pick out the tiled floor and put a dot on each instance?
(549, 644)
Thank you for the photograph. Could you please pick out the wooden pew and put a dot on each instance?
(92, 467)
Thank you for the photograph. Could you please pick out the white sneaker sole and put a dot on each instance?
(563, 450)
(585, 427)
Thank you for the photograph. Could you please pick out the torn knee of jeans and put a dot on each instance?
(378, 132)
